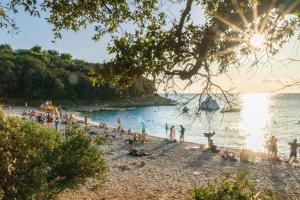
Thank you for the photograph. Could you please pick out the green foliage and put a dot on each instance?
(36, 164)
(190, 50)
(79, 157)
(100, 139)
(36, 49)
(240, 187)
(39, 74)
(184, 48)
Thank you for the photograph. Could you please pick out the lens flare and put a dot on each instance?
(258, 41)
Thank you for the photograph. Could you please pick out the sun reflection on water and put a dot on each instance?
(254, 119)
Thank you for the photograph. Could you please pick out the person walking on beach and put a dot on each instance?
(49, 120)
(269, 145)
(294, 146)
(181, 133)
(172, 134)
(56, 123)
(119, 127)
(274, 148)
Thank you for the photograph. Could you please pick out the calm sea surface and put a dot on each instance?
(262, 115)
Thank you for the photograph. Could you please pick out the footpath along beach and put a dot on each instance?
(173, 170)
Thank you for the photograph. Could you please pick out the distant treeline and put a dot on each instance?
(46, 74)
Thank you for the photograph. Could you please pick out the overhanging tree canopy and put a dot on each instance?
(166, 48)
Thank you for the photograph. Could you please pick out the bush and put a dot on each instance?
(35, 164)
(239, 187)
(100, 139)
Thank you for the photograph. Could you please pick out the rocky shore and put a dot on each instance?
(173, 170)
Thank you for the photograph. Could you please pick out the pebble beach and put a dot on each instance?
(173, 170)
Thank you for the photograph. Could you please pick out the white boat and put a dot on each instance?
(209, 104)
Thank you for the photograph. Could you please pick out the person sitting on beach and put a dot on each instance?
(122, 131)
(133, 151)
(32, 113)
(212, 147)
(294, 146)
(210, 143)
(135, 137)
(244, 155)
(209, 135)
(115, 133)
(140, 138)
(181, 133)
(39, 119)
(100, 125)
(49, 120)
(228, 156)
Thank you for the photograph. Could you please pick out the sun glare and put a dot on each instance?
(255, 116)
(258, 41)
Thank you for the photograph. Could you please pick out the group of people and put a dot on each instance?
(172, 136)
(273, 149)
(47, 118)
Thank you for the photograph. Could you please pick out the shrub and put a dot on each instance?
(100, 139)
(239, 187)
(36, 164)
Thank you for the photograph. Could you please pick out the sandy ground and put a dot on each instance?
(172, 171)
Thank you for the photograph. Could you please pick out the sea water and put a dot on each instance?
(262, 115)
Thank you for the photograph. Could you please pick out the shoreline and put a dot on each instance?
(99, 105)
(17, 112)
(173, 170)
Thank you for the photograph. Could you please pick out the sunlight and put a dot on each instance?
(258, 41)
(255, 115)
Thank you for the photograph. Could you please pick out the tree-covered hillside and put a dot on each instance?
(46, 74)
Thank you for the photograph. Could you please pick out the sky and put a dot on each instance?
(36, 31)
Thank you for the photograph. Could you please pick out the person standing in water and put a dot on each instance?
(275, 149)
(143, 138)
(167, 128)
(181, 133)
(143, 128)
